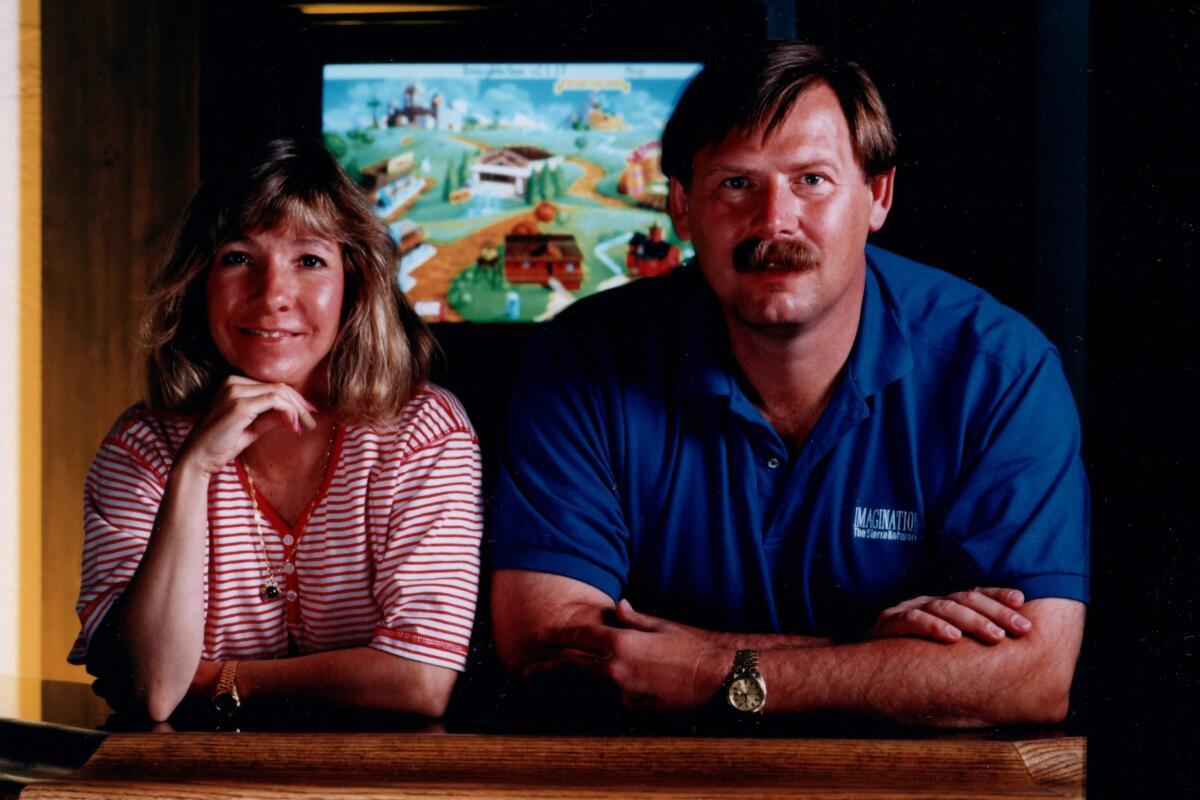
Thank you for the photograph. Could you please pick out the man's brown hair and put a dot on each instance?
(742, 92)
(382, 353)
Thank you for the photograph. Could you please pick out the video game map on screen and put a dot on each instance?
(512, 189)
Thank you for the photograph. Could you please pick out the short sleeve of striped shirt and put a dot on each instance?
(122, 493)
(427, 570)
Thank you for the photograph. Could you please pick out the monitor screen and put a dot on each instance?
(512, 189)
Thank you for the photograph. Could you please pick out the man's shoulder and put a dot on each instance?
(637, 304)
(624, 322)
(943, 315)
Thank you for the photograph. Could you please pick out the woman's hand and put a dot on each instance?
(987, 614)
(243, 410)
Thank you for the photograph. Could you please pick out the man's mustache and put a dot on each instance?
(762, 255)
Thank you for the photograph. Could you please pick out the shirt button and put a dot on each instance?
(289, 568)
(291, 596)
(772, 463)
(289, 540)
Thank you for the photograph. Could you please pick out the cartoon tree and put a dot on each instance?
(374, 103)
(558, 183)
(464, 169)
(533, 189)
(336, 145)
(580, 142)
(448, 184)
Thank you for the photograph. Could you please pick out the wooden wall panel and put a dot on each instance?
(120, 159)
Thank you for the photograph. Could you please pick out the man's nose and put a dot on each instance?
(777, 212)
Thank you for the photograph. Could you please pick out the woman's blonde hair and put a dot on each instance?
(382, 353)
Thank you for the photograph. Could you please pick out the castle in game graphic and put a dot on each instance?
(511, 190)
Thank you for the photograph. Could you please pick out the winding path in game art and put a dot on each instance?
(434, 276)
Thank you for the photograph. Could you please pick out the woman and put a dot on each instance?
(294, 510)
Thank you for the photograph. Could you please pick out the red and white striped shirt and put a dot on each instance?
(387, 554)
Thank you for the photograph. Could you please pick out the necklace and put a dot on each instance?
(270, 589)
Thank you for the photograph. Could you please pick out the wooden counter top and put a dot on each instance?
(398, 765)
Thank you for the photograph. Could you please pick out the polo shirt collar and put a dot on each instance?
(881, 353)
(706, 367)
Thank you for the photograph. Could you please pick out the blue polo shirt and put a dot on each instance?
(948, 458)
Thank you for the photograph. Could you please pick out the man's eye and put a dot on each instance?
(736, 182)
(812, 180)
(235, 257)
(311, 261)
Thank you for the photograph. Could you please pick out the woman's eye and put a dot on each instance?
(311, 261)
(235, 257)
(736, 182)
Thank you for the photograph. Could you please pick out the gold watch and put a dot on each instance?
(745, 689)
(225, 699)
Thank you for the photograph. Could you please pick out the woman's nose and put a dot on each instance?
(278, 285)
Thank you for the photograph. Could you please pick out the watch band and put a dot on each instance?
(745, 662)
(225, 699)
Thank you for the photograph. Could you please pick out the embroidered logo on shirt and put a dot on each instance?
(886, 523)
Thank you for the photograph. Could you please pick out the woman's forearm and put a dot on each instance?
(362, 677)
(161, 617)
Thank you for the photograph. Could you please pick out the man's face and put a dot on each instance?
(800, 192)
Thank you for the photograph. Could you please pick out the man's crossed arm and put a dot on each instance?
(919, 667)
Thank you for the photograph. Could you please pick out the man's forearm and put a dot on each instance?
(920, 682)
(765, 641)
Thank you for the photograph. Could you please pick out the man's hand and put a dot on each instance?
(653, 663)
(986, 614)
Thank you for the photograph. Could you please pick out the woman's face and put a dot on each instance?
(274, 300)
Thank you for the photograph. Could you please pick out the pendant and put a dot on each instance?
(269, 591)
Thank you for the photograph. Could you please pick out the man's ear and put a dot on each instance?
(677, 204)
(881, 197)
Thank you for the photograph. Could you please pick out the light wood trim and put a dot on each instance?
(29, 514)
(120, 158)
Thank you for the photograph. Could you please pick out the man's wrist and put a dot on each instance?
(745, 688)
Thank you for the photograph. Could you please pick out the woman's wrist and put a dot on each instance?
(191, 469)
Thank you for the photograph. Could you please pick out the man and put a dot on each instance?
(765, 452)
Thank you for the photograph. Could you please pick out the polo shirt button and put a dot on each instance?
(289, 568)
(289, 540)
(772, 463)
(291, 596)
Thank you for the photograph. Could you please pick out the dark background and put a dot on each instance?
(1047, 153)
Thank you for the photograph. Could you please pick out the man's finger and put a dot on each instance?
(998, 614)
(574, 663)
(916, 622)
(597, 640)
(1013, 598)
(966, 619)
(635, 619)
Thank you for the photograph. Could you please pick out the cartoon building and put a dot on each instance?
(411, 114)
(599, 120)
(536, 258)
(505, 171)
(388, 170)
(414, 250)
(643, 179)
(649, 255)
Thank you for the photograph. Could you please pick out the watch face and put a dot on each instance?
(746, 694)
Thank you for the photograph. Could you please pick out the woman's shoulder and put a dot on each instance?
(140, 423)
(149, 437)
(432, 415)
